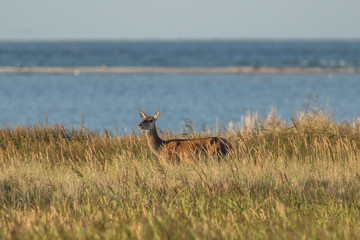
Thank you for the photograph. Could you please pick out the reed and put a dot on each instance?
(281, 180)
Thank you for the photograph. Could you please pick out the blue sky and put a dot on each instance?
(180, 19)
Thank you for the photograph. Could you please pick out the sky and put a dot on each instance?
(180, 19)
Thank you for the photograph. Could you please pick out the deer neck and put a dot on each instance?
(154, 141)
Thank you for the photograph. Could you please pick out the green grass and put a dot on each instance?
(298, 180)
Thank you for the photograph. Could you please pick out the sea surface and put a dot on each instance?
(182, 53)
(112, 101)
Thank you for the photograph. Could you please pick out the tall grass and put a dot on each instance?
(297, 180)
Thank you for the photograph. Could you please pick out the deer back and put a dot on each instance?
(187, 149)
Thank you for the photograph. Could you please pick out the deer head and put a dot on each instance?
(148, 122)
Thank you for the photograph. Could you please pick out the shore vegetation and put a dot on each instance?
(297, 179)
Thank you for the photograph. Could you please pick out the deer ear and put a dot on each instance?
(142, 114)
(157, 114)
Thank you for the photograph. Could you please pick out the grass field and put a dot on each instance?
(296, 180)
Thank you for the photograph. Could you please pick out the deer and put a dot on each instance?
(181, 150)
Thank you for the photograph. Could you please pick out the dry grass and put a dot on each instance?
(298, 180)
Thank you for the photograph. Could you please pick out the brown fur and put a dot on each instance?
(185, 150)
(181, 150)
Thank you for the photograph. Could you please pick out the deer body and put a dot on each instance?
(182, 150)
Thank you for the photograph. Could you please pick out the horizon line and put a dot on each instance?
(355, 39)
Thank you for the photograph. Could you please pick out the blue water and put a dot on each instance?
(183, 53)
(112, 101)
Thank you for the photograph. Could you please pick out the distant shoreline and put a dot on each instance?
(176, 70)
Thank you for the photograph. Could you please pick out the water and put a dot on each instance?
(323, 54)
(112, 100)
